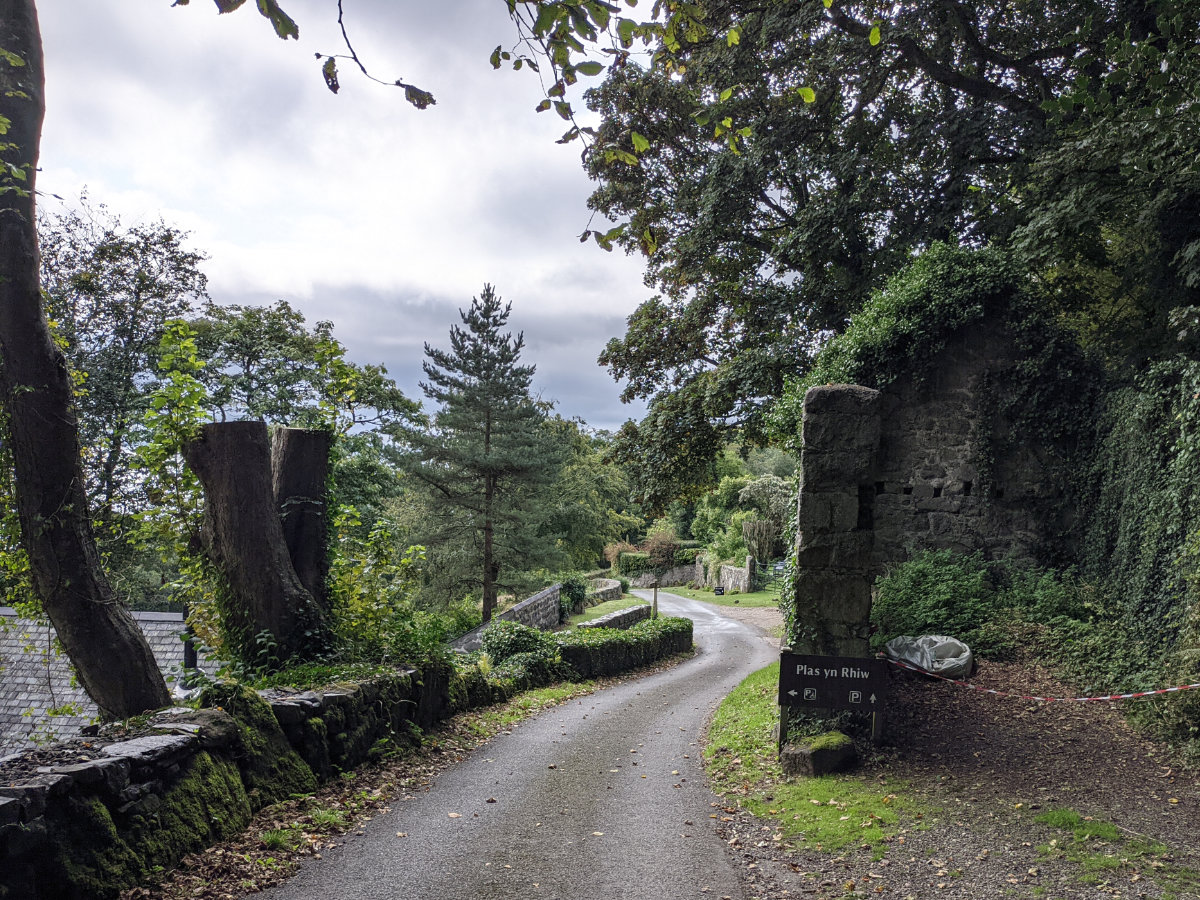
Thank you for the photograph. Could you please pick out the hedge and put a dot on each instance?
(593, 652)
(633, 563)
(685, 556)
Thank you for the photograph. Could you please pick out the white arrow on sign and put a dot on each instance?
(872, 698)
(791, 693)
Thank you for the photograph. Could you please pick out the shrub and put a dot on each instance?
(624, 585)
(935, 592)
(530, 670)
(686, 556)
(502, 639)
(575, 587)
(612, 552)
(661, 546)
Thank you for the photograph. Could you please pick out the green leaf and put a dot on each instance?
(543, 106)
(874, 37)
(828, 4)
(494, 59)
(640, 144)
(590, 68)
(330, 74)
(600, 14)
(625, 29)
(417, 97)
(547, 15)
(228, 6)
(726, 94)
(616, 154)
(734, 37)
(649, 242)
(284, 26)
(563, 109)
(702, 117)
(807, 94)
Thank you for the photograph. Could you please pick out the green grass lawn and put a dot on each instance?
(603, 609)
(826, 813)
(756, 598)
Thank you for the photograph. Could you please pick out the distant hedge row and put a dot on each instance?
(633, 563)
(520, 657)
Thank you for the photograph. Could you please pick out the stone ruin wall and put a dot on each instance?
(888, 473)
(931, 489)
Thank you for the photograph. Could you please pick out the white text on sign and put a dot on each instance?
(845, 672)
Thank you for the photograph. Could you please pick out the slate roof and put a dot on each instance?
(35, 677)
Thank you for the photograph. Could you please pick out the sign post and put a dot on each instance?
(834, 682)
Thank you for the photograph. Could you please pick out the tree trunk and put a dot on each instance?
(299, 473)
(245, 540)
(110, 653)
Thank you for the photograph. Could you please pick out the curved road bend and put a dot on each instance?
(602, 798)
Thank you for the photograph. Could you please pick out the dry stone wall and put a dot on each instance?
(621, 618)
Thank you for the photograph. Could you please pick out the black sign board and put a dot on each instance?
(832, 682)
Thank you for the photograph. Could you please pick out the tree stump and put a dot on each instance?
(299, 476)
(245, 539)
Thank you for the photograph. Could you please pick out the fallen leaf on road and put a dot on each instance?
(491, 799)
(401, 834)
(597, 834)
(455, 815)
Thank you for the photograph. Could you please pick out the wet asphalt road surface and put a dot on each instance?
(602, 798)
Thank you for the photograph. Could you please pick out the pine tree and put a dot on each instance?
(486, 452)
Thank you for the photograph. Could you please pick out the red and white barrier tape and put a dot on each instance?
(974, 687)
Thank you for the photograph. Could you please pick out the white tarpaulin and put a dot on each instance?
(936, 653)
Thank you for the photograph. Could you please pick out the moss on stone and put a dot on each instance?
(271, 769)
(90, 859)
(830, 740)
(207, 804)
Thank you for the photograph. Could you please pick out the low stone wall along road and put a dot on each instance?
(603, 798)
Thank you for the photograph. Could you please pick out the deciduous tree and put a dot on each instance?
(110, 654)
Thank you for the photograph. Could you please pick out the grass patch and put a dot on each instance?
(278, 839)
(754, 598)
(603, 609)
(489, 719)
(826, 813)
(1100, 850)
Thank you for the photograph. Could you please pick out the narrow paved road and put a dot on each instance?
(603, 798)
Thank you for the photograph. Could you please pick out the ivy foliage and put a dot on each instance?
(1045, 393)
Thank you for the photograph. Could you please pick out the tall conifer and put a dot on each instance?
(485, 453)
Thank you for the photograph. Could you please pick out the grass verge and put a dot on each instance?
(754, 598)
(825, 813)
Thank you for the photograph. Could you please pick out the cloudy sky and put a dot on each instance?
(356, 208)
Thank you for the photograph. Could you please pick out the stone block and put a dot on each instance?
(113, 774)
(10, 811)
(152, 749)
(33, 793)
(841, 400)
(832, 470)
(824, 755)
(939, 504)
(849, 551)
(836, 597)
(823, 432)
